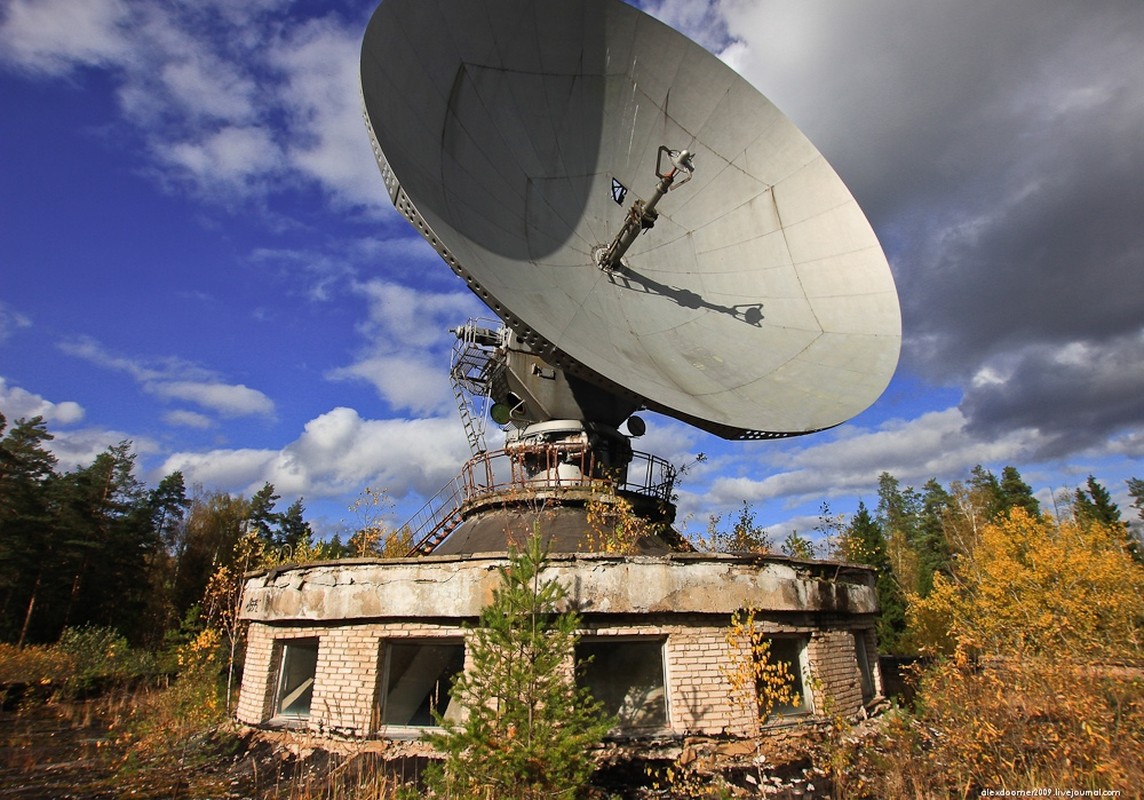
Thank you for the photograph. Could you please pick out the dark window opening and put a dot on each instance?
(419, 677)
(627, 677)
(296, 674)
(791, 652)
(864, 670)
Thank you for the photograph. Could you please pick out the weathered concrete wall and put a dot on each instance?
(460, 586)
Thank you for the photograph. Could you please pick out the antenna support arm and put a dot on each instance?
(642, 215)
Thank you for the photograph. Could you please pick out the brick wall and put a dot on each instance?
(346, 677)
(696, 658)
(834, 667)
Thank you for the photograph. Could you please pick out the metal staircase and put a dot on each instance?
(438, 518)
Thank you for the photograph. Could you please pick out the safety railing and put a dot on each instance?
(528, 469)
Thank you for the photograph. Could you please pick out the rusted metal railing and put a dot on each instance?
(532, 468)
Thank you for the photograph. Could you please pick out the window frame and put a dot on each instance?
(622, 728)
(287, 648)
(866, 679)
(806, 707)
(381, 705)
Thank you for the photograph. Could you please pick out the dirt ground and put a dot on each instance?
(73, 751)
(76, 751)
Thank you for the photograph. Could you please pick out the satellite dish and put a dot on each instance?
(526, 141)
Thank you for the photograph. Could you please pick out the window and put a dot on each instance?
(419, 676)
(296, 678)
(864, 666)
(627, 677)
(791, 652)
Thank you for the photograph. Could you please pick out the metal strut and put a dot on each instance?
(642, 215)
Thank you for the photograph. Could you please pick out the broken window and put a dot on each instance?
(864, 670)
(791, 652)
(627, 677)
(296, 671)
(419, 677)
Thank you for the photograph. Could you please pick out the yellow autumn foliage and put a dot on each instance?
(1032, 585)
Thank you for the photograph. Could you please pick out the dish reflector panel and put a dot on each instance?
(515, 134)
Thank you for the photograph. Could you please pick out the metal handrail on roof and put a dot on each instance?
(529, 469)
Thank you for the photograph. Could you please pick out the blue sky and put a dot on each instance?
(197, 254)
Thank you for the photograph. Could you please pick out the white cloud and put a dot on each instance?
(11, 321)
(188, 419)
(229, 400)
(320, 62)
(846, 462)
(238, 469)
(17, 403)
(338, 454)
(703, 22)
(201, 82)
(176, 379)
(54, 36)
(412, 382)
(233, 156)
(78, 449)
(209, 88)
(406, 356)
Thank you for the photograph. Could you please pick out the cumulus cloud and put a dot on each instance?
(17, 403)
(406, 355)
(338, 454)
(996, 149)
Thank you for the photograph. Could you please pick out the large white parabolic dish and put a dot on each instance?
(759, 305)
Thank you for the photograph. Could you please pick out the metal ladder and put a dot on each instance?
(473, 368)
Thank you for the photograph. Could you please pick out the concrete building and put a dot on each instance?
(367, 648)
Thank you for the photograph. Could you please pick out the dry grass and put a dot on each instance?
(1008, 725)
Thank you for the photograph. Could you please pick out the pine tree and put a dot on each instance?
(1094, 504)
(899, 517)
(864, 543)
(529, 729)
(293, 529)
(27, 472)
(168, 504)
(798, 546)
(105, 527)
(985, 492)
(1135, 544)
(932, 546)
(1015, 493)
(261, 516)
